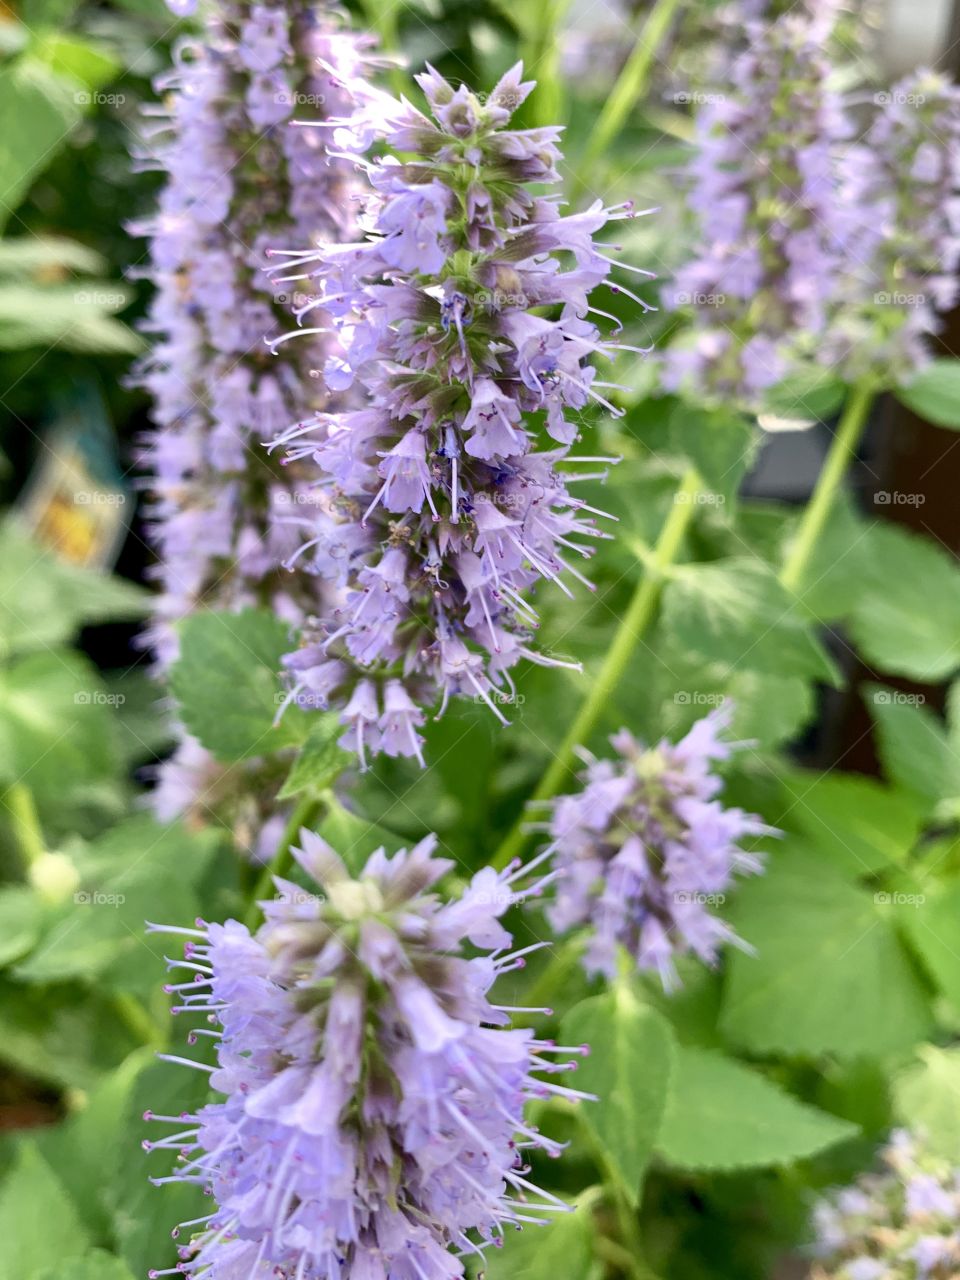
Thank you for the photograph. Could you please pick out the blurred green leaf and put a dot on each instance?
(934, 393)
(721, 1115)
(626, 1119)
(735, 612)
(927, 1097)
(21, 914)
(45, 110)
(861, 825)
(227, 683)
(914, 747)
(829, 974)
(138, 871)
(90, 64)
(95, 1265)
(76, 316)
(56, 730)
(44, 602)
(63, 1035)
(24, 256)
(931, 925)
(39, 1225)
(321, 760)
(907, 622)
(563, 1248)
(719, 443)
(812, 394)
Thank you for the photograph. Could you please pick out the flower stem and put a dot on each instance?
(640, 613)
(818, 509)
(302, 815)
(25, 822)
(632, 83)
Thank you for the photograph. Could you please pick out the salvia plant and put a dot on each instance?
(457, 530)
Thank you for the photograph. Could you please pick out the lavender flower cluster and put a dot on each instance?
(764, 187)
(817, 248)
(237, 179)
(372, 1125)
(645, 850)
(904, 183)
(441, 512)
(902, 1223)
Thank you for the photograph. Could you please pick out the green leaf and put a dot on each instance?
(21, 912)
(138, 871)
(563, 1248)
(46, 111)
(24, 256)
(861, 825)
(722, 1115)
(44, 602)
(819, 935)
(90, 64)
(931, 925)
(95, 1265)
(719, 443)
(321, 760)
(353, 837)
(913, 743)
(67, 1036)
(927, 1098)
(77, 316)
(144, 1214)
(622, 1033)
(735, 612)
(56, 730)
(907, 622)
(934, 393)
(811, 395)
(227, 683)
(39, 1225)
(87, 1148)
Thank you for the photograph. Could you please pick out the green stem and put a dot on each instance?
(640, 613)
(631, 1259)
(19, 803)
(136, 1019)
(828, 484)
(631, 85)
(303, 814)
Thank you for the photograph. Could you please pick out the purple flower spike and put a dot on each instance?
(224, 516)
(904, 184)
(439, 328)
(372, 1117)
(766, 179)
(645, 850)
(898, 1222)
